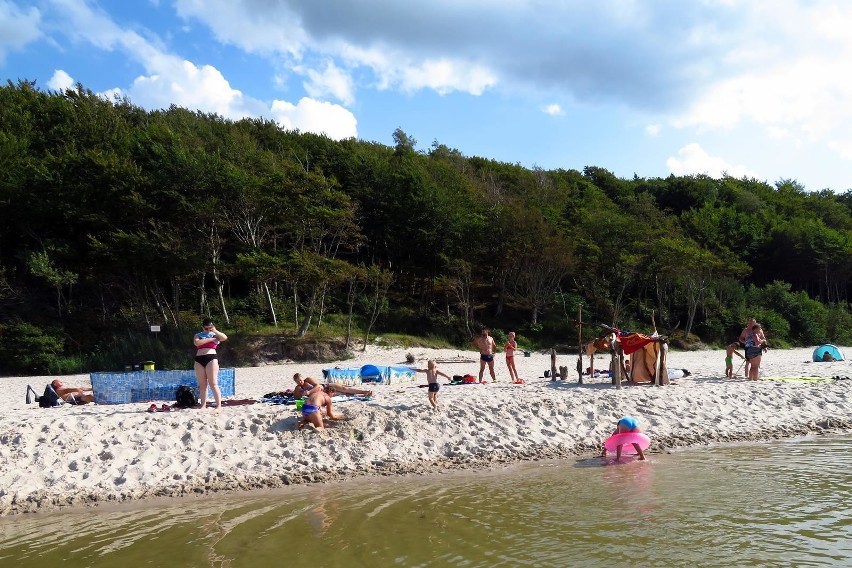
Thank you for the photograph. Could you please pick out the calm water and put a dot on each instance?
(779, 504)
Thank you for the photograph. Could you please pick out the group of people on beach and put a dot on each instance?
(753, 342)
(487, 348)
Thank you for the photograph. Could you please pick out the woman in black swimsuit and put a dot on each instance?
(206, 363)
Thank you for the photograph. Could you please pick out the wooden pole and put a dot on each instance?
(657, 364)
(580, 344)
(617, 364)
(553, 364)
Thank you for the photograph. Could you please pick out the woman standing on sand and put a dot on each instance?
(510, 348)
(206, 361)
(755, 344)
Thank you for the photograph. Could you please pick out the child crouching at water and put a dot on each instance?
(626, 424)
(432, 373)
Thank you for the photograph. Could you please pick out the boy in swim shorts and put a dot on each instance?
(432, 373)
(626, 424)
(730, 351)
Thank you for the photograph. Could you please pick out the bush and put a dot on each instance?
(27, 349)
(806, 317)
(839, 324)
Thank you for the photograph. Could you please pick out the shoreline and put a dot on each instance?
(87, 455)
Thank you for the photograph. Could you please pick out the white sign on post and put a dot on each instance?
(155, 328)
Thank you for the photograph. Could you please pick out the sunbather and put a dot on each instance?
(307, 385)
(73, 395)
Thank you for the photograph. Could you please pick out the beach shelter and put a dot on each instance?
(828, 352)
(648, 354)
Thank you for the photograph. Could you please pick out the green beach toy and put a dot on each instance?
(299, 403)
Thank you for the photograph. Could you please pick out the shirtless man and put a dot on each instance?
(73, 395)
(487, 347)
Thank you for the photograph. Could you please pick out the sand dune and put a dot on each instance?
(85, 455)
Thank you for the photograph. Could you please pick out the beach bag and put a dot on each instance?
(49, 399)
(185, 397)
(469, 379)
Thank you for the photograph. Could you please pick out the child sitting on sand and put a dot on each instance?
(626, 424)
(432, 373)
(730, 351)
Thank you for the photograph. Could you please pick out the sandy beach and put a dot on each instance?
(75, 455)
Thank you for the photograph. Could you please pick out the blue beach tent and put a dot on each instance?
(828, 352)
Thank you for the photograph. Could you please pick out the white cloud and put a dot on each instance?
(653, 130)
(313, 116)
(184, 84)
(60, 81)
(793, 81)
(445, 76)
(553, 109)
(693, 159)
(269, 28)
(287, 29)
(333, 81)
(171, 80)
(17, 27)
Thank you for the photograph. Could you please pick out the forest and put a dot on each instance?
(114, 219)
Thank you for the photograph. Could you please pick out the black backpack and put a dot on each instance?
(185, 397)
(49, 399)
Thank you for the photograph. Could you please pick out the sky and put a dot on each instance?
(747, 88)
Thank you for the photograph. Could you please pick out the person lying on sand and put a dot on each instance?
(73, 395)
(313, 407)
(304, 386)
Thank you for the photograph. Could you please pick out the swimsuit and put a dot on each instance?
(207, 335)
(729, 361)
(630, 422)
(308, 409)
(752, 352)
(203, 360)
(434, 387)
(486, 358)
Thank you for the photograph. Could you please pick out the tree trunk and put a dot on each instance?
(220, 286)
(309, 313)
(270, 304)
(350, 303)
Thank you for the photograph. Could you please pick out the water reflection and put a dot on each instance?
(772, 504)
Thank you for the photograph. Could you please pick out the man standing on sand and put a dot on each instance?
(487, 347)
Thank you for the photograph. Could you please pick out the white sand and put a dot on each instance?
(74, 455)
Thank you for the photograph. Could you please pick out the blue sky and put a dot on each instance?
(757, 88)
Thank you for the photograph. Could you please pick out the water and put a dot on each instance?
(779, 504)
